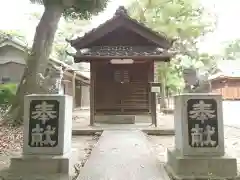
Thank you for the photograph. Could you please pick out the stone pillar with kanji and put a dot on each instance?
(47, 136)
(199, 139)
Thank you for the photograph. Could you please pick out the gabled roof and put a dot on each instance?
(14, 43)
(120, 19)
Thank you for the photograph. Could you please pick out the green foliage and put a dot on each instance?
(84, 9)
(76, 14)
(67, 29)
(76, 9)
(232, 50)
(7, 92)
(187, 22)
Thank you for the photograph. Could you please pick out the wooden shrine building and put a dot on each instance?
(121, 53)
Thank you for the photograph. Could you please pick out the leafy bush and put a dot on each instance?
(7, 92)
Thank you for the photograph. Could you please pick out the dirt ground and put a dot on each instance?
(232, 144)
(11, 145)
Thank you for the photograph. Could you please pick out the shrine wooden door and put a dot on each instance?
(122, 89)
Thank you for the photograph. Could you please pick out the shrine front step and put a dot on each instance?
(115, 119)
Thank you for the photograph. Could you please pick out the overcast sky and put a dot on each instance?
(13, 15)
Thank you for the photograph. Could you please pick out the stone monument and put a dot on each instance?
(199, 139)
(47, 152)
(196, 81)
(51, 83)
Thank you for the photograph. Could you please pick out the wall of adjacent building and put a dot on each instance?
(12, 54)
(12, 64)
(228, 88)
(11, 70)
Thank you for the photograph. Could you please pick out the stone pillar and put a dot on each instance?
(199, 139)
(47, 136)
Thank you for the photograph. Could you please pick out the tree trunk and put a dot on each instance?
(38, 59)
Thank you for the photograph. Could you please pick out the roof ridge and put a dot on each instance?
(16, 41)
(121, 10)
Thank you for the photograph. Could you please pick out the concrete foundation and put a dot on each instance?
(200, 167)
(40, 164)
(43, 166)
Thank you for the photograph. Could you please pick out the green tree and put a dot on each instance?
(67, 30)
(43, 40)
(183, 20)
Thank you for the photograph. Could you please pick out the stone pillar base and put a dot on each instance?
(43, 166)
(35, 176)
(200, 167)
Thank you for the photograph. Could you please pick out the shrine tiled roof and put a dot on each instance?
(120, 51)
(121, 13)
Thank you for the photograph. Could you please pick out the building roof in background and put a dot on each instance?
(14, 42)
(85, 75)
(227, 69)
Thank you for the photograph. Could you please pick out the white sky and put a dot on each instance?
(13, 15)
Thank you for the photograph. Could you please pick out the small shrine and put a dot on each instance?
(121, 53)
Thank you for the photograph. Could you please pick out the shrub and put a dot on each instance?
(7, 92)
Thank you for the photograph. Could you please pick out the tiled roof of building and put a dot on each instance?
(227, 69)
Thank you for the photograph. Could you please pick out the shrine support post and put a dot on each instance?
(199, 139)
(155, 89)
(154, 108)
(47, 136)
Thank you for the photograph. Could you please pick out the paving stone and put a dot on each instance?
(121, 155)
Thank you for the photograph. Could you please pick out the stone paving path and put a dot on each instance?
(122, 155)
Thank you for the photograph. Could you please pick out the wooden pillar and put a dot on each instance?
(153, 95)
(74, 89)
(92, 89)
(150, 79)
(154, 108)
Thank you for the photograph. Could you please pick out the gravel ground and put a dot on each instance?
(232, 144)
